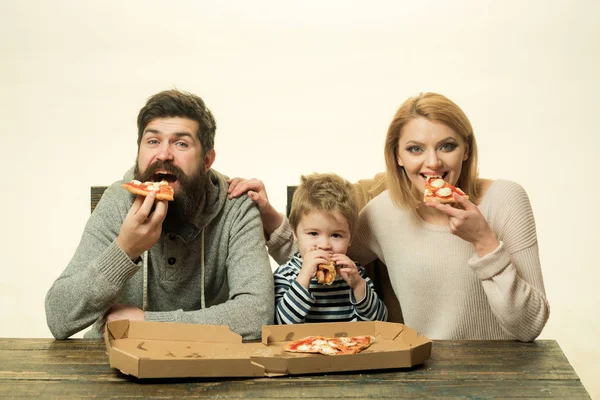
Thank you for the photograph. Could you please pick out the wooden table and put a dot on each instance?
(45, 368)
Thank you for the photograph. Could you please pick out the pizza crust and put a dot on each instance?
(434, 199)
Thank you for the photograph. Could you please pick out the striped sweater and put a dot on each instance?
(335, 303)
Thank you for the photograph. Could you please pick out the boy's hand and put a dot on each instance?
(349, 272)
(310, 260)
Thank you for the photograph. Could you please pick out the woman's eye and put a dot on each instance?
(414, 149)
(448, 147)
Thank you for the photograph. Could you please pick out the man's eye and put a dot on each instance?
(152, 141)
(414, 149)
(448, 146)
(182, 144)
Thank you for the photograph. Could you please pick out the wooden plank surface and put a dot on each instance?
(44, 368)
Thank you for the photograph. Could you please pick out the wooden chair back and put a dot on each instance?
(95, 195)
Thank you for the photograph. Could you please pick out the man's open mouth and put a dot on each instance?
(163, 176)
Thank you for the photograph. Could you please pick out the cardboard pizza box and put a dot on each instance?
(167, 350)
(395, 346)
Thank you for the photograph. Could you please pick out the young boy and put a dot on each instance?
(323, 216)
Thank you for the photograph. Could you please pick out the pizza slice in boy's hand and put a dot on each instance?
(163, 190)
(326, 273)
(440, 191)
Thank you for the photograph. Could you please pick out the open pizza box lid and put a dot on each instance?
(148, 349)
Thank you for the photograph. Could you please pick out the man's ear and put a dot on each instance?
(209, 159)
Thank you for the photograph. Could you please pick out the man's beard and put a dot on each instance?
(192, 191)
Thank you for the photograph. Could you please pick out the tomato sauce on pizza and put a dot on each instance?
(330, 346)
(163, 190)
(440, 191)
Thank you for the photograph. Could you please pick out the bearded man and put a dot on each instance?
(199, 259)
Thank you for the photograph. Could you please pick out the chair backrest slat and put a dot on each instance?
(95, 195)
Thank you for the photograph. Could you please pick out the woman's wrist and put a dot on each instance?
(486, 245)
(271, 220)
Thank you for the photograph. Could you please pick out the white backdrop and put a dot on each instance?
(299, 87)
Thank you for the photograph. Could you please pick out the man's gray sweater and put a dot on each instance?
(238, 282)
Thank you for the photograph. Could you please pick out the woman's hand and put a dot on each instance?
(255, 188)
(469, 224)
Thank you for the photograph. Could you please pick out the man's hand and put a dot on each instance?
(141, 229)
(349, 273)
(124, 311)
(255, 188)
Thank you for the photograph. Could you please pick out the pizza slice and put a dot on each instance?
(330, 346)
(440, 191)
(355, 344)
(163, 190)
(326, 273)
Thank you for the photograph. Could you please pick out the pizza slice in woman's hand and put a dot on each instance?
(439, 191)
(163, 190)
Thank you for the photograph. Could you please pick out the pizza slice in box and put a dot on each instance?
(163, 190)
(440, 191)
(330, 346)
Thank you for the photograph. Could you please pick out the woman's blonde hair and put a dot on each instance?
(327, 193)
(438, 108)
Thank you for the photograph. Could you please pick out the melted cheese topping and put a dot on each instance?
(444, 192)
(437, 183)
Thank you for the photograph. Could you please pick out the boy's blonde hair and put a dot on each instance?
(327, 193)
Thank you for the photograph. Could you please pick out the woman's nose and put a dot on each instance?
(433, 160)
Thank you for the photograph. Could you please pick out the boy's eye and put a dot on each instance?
(312, 233)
